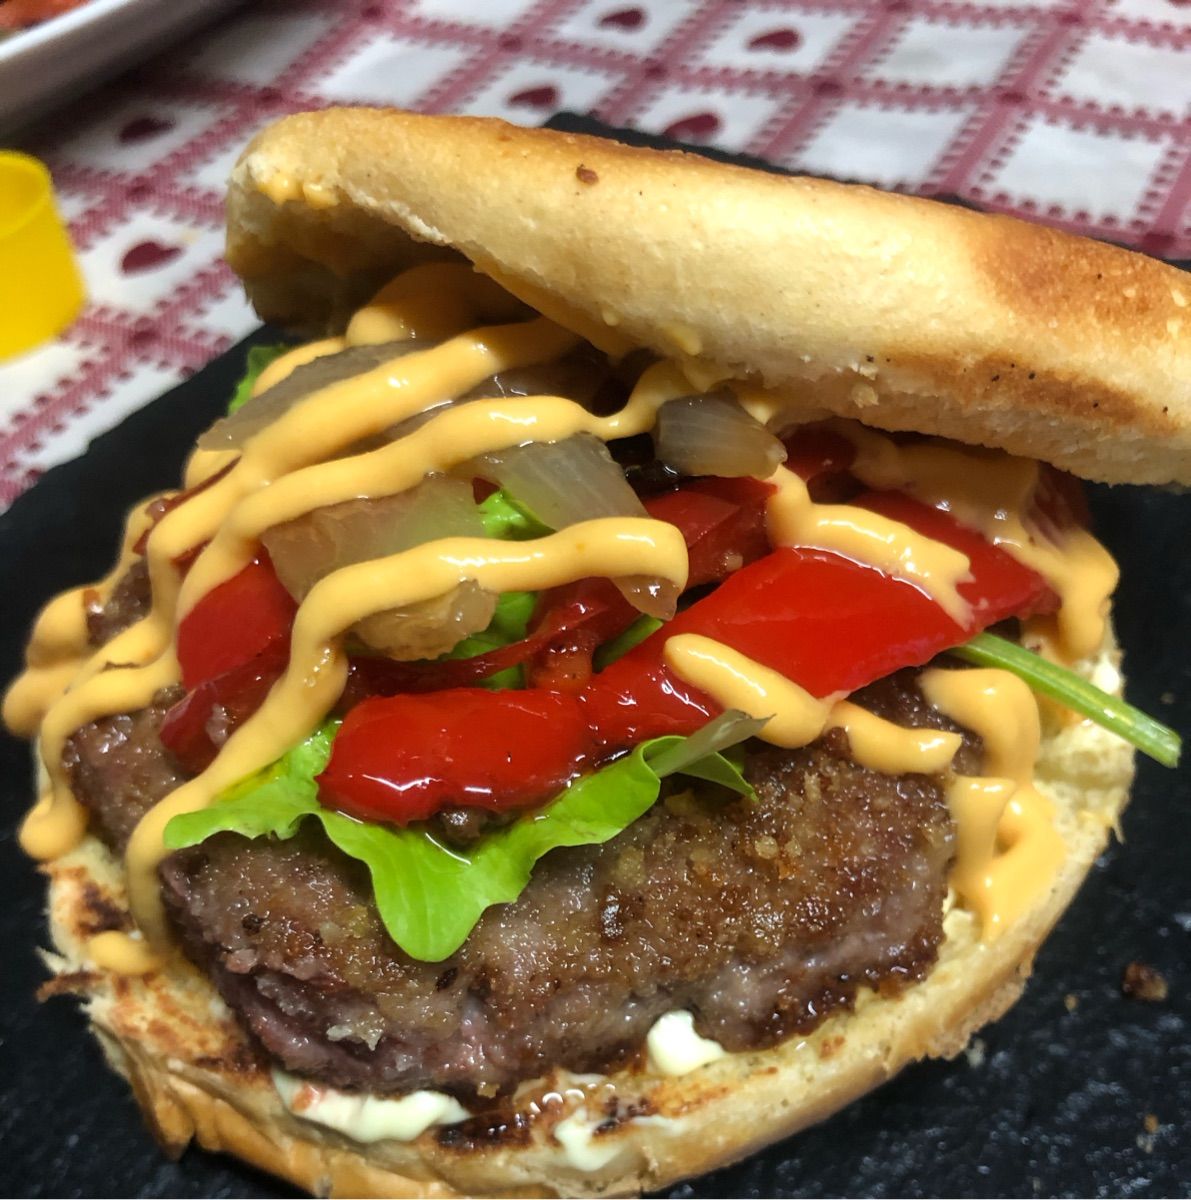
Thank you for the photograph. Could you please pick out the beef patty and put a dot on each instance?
(119, 769)
(761, 918)
(128, 603)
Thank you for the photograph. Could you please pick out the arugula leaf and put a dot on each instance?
(510, 623)
(622, 643)
(1116, 715)
(504, 518)
(701, 754)
(259, 357)
(431, 896)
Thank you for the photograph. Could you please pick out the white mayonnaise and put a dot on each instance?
(676, 1049)
(576, 1136)
(367, 1118)
(584, 1149)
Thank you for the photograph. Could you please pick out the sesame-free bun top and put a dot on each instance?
(901, 312)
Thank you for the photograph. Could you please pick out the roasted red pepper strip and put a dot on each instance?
(1000, 586)
(723, 522)
(234, 622)
(565, 612)
(21, 14)
(827, 623)
(195, 727)
(822, 620)
(369, 676)
(232, 647)
(1060, 501)
(402, 758)
(813, 452)
(572, 622)
(164, 505)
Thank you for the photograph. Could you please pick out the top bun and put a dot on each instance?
(900, 312)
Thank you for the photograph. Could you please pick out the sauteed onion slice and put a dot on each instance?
(307, 549)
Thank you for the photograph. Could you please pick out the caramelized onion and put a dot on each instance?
(713, 435)
(430, 628)
(232, 432)
(650, 594)
(312, 546)
(584, 376)
(563, 483)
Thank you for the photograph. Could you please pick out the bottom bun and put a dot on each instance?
(197, 1077)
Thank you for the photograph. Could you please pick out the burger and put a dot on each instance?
(630, 678)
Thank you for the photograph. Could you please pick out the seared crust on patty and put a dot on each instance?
(119, 769)
(901, 312)
(197, 1076)
(761, 918)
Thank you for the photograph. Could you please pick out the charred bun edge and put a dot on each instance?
(900, 312)
(197, 1077)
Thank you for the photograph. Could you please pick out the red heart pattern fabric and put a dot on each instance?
(145, 256)
(1077, 114)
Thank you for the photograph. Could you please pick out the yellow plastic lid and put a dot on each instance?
(41, 290)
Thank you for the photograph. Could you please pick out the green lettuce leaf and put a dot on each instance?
(431, 896)
(259, 357)
(272, 801)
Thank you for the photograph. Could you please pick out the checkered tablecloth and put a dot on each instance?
(1076, 112)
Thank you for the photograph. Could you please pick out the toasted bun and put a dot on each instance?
(900, 312)
(197, 1077)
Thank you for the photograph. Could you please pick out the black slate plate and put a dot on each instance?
(1053, 1100)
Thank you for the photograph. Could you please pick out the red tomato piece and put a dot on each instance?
(234, 622)
(402, 758)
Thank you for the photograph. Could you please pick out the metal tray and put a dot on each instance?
(50, 63)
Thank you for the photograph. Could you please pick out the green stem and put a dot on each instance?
(1149, 736)
(620, 645)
